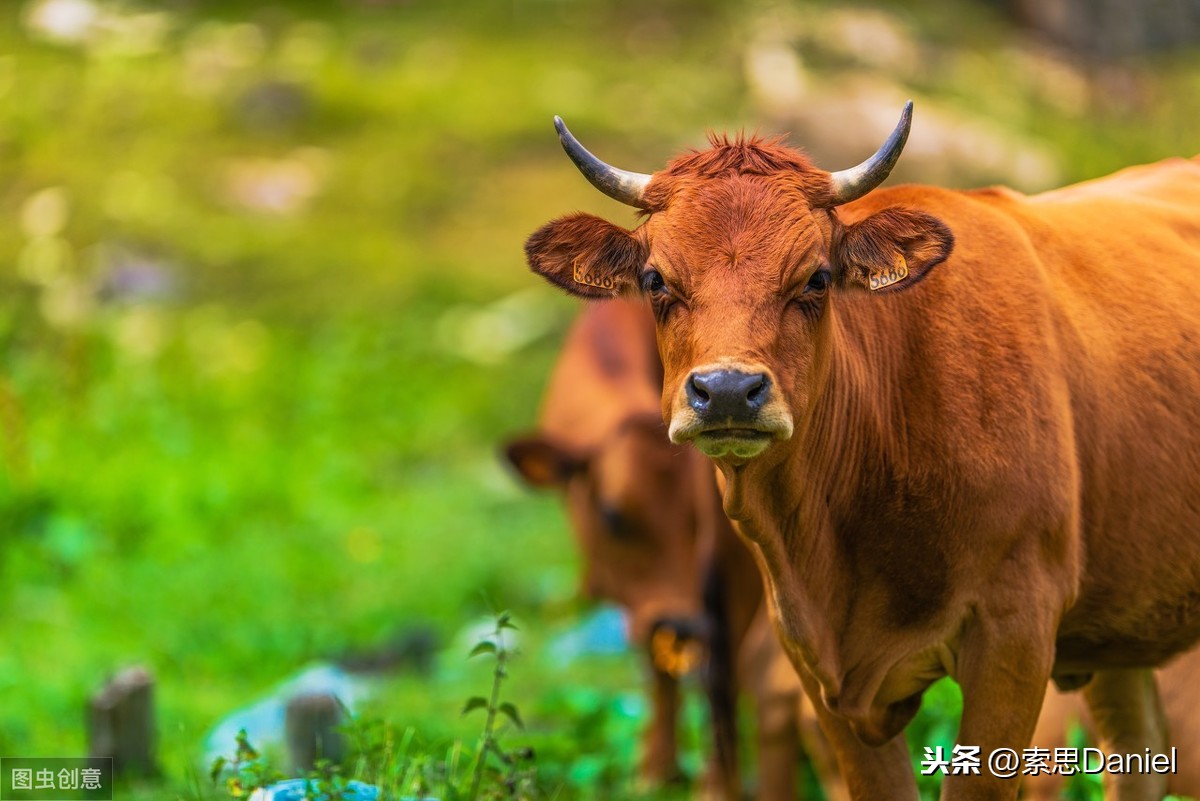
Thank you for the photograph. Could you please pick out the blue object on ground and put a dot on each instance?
(604, 631)
(297, 790)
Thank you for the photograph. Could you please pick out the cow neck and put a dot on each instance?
(852, 437)
(799, 501)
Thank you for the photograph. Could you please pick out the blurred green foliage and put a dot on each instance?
(265, 318)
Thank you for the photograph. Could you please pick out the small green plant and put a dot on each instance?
(245, 772)
(512, 770)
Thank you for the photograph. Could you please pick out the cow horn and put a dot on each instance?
(857, 181)
(621, 185)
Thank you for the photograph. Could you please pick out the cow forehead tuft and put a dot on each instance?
(740, 155)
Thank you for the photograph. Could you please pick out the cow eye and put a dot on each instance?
(616, 523)
(653, 283)
(818, 283)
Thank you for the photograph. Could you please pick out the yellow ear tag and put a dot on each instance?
(588, 278)
(897, 273)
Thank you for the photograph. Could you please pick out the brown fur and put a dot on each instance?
(993, 475)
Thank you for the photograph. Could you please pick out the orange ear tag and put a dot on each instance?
(897, 273)
(587, 278)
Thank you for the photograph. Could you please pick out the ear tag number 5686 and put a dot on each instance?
(588, 278)
(895, 274)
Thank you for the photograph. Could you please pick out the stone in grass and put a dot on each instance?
(120, 722)
(311, 728)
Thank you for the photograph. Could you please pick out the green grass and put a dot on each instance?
(288, 448)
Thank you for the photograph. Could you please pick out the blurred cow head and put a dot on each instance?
(632, 509)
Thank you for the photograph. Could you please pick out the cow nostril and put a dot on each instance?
(696, 391)
(756, 392)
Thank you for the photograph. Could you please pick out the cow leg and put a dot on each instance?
(1060, 711)
(820, 752)
(1003, 666)
(869, 773)
(772, 681)
(721, 685)
(1128, 717)
(660, 764)
(778, 747)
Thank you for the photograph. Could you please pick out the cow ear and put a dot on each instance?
(586, 256)
(541, 462)
(890, 250)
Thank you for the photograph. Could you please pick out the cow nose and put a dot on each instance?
(677, 645)
(728, 394)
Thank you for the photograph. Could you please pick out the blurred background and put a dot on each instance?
(265, 317)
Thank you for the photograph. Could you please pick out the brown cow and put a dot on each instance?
(992, 475)
(655, 539)
(1179, 686)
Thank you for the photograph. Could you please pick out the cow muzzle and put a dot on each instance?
(730, 410)
(677, 645)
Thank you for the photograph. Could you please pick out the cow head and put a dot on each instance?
(632, 507)
(743, 255)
